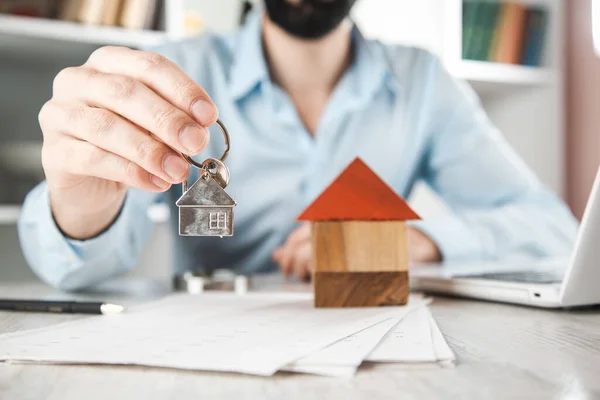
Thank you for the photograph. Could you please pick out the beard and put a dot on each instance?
(308, 19)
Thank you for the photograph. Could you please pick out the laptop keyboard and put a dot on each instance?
(543, 277)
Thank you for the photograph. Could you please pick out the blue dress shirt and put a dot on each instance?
(395, 107)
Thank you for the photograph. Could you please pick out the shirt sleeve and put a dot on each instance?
(500, 210)
(73, 264)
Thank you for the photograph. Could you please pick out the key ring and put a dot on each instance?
(203, 167)
(205, 208)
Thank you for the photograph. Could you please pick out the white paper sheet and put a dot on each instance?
(255, 334)
(328, 362)
(409, 341)
(443, 352)
(343, 358)
(334, 371)
(353, 349)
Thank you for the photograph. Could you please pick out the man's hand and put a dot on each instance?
(118, 121)
(295, 255)
(421, 249)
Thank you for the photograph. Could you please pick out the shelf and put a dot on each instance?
(480, 71)
(48, 41)
(493, 78)
(73, 32)
(9, 214)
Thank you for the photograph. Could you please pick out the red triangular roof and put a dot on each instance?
(358, 193)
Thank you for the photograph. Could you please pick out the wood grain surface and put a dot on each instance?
(503, 352)
(360, 289)
(359, 246)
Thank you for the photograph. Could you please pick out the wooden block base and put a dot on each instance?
(360, 289)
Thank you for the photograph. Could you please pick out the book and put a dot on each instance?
(535, 34)
(91, 12)
(28, 8)
(490, 21)
(138, 14)
(470, 10)
(465, 13)
(476, 30)
(508, 43)
(482, 32)
(68, 10)
(112, 12)
(498, 31)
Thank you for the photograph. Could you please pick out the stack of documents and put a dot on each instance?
(256, 334)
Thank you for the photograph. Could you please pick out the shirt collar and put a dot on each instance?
(370, 69)
(368, 72)
(249, 67)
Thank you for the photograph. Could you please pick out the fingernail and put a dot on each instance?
(204, 112)
(175, 166)
(194, 139)
(159, 183)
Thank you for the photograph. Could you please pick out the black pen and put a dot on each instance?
(72, 307)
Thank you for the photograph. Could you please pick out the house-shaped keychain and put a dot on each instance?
(359, 241)
(205, 209)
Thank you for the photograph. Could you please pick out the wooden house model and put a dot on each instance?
(359, 242)
(205, 209)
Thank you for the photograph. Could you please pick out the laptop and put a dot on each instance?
(571, 283)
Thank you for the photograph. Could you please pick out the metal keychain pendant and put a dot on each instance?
(205, 208)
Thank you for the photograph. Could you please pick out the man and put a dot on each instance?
(302, 93)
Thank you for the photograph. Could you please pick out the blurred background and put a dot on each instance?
(532, 62)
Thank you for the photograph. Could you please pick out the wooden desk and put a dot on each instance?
(503, 351)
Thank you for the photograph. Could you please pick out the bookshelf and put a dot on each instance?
(495, 79)
(481, 71)
(16, 27)
(525, 103)
(439, 30)
(26, 37)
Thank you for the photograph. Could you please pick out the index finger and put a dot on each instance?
(161, 75)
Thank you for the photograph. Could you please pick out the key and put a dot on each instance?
(205, 208)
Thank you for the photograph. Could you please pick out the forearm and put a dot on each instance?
(500, 208)
(81, 224)
(535, 225)
(71, 264)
